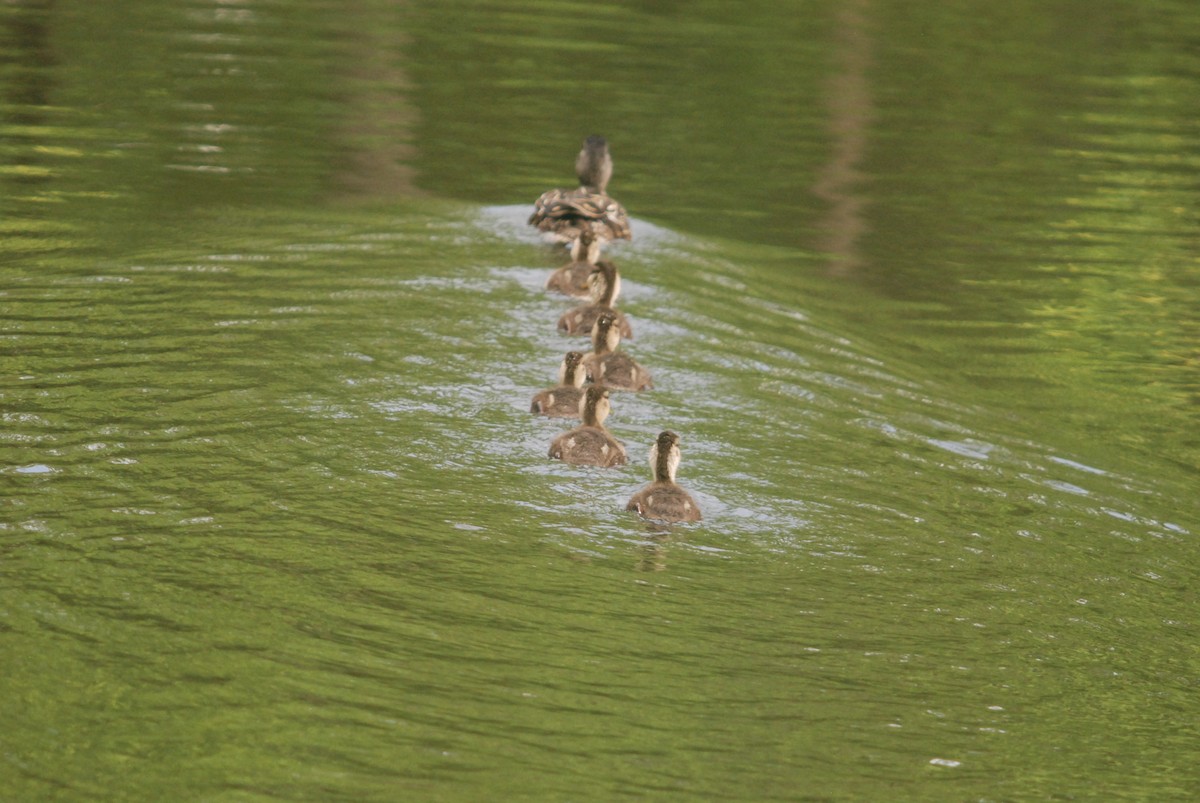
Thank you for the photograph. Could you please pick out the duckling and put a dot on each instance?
(607, 366)
(663, 499)
(562, 401)
(590, 444)
(565, 214)
(604, 282)
(571, 279)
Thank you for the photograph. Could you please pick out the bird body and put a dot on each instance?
(590, 444)
(572, 279)
(663, 499)
(562, 401)
(567, 214)
(607, 366)
(604, 283)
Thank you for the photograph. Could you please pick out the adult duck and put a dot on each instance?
(565, 214)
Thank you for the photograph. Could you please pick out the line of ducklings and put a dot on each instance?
(587, 218)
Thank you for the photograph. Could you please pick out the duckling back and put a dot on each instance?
(582, 319)
(618, 370)
(664, 501)
(588, 446)
(570, 279)
(559, 402)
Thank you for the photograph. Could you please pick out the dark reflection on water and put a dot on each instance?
(917, 291)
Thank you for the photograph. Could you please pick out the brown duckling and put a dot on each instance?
(572, 278)
(664, 499)
(565, 214)
(562, 401)
(607, 366)
(605, 284)
(590, 444)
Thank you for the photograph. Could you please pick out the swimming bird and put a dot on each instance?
(562, 401)
(571, 279)
(565, 214)
(590, 444)
(607, 366)
(663, 498)
(604, 282)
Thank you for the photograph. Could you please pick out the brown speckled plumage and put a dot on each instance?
(590, 444)
(563, 400)
(663, 499)
(607, 366)
(604, 283)
(566, 214)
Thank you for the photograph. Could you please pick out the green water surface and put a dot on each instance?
(918, 285)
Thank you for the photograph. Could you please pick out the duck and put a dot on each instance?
(565, 214)
(562, 401)
(604, 282)
(607, 366)
(663, 499)
(571, 279)
(590, 444)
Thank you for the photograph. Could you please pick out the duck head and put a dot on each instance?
(571, 372)
(606, 335)
(594, 164)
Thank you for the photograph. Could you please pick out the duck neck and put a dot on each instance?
(570, 375)
(606, 338)
(585, 248)
(594, 165)
(604, 289)
(590, 415)
(664, 466)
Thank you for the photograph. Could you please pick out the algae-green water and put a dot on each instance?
(918, 286)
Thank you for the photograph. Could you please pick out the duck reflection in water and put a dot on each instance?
(652, 555)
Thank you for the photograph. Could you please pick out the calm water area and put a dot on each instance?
(918, 283)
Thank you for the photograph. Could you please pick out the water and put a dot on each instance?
(918, 291)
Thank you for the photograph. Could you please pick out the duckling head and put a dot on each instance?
(606, 335)
(594, 406)
(594, 164)
(604, 283)
(571, 372)
(665, 456)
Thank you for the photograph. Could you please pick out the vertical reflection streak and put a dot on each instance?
(850, 112)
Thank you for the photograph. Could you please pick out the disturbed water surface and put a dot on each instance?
(918, 290)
